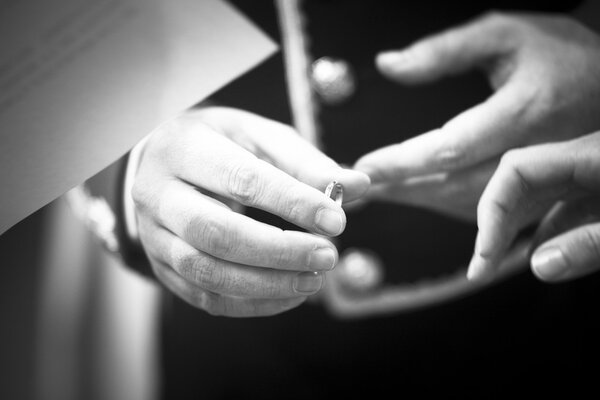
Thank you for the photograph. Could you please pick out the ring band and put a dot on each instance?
(335, 191)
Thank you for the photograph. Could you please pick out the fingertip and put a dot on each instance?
(323, 259)
(364, 179)
(549, 264)
(369, 168)
(387, 60)
(479, 269)
(355, 183)
(307, 283)
(358, 178)
(388, 68)
(400, 160)
(403, 66)
(330, 222)
(481, 265)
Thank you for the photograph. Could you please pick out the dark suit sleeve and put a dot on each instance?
(109, 186)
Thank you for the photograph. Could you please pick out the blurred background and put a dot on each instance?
(74, 324)
(20, 277)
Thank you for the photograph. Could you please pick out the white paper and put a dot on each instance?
(82, 81)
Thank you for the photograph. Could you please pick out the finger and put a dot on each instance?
(568, 256)
(284, 148)
(526, 181)
(454, 193)
(474, 136)
(213, 162)
(218, 305)
(214, 229)
(567, 215)
(229, 279)
(449, 52)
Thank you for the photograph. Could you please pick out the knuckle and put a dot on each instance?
(452, 156)
(242, 183)
(284, 256)
(497, 208)
(142, 195)
(273, 290)
(496, 18)
(213, 237)
(270, 287)
(290, 205)
(218, 241)
(492, 15)
(209, 276)
(294, 211)
(511, 163)
(533, 104)
(161, 138)
(504, 26)
(204, 271)
(180, 263)
(510, 159)
(212, 279)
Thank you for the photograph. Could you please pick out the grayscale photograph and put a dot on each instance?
(299, 199)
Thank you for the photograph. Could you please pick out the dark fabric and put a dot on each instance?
(131, 253)
(518, 332)
(109, 184)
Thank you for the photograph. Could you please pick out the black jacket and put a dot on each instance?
(518, 332)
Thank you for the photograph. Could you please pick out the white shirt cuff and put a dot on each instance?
(129, 213)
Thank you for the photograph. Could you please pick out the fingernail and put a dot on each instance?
(308, 282)
(329, 221)
(322, 259)
(549, 263)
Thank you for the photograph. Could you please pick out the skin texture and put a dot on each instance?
(568, 239)
(546, 84)
(546, 88)
(197, 171)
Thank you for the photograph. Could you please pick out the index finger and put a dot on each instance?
(211, 161)
(472, 137)
(284, 148)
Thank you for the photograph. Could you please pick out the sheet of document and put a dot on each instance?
(82, 81)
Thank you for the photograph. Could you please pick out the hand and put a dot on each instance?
(222, 261)
(543, 69)
(528, 181)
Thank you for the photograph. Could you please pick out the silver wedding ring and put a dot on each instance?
(335, 191)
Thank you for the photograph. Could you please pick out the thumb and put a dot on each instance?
(571, 255)
(453, 51)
